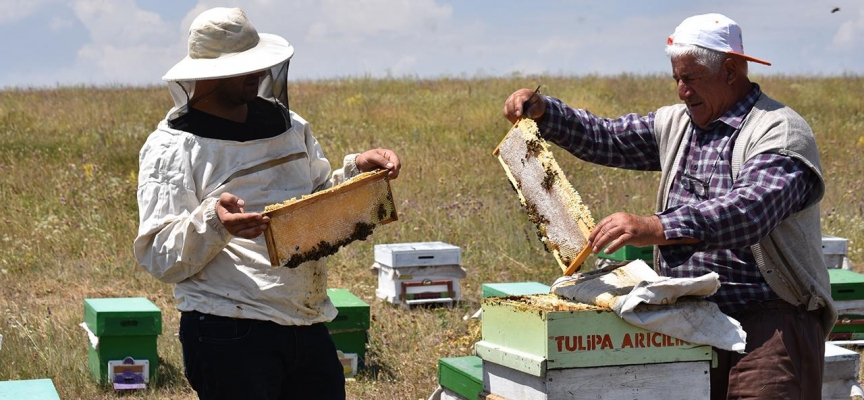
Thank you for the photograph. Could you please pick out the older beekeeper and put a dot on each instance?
(740, 185)
(229, 147)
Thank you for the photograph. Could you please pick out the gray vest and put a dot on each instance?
(790, 257)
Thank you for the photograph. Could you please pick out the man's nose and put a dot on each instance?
(684, 90)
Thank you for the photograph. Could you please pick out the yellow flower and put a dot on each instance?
(353, 100)
(89, 170)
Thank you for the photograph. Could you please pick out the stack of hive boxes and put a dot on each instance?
(123, 333)
(536, 347)
(418, 273)
(847, 290)
(462, 377)
(349, 329)
(840, 375)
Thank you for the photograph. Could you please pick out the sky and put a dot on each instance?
(50, 43)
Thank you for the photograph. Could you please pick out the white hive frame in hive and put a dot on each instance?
(563, 222)
(317, 225)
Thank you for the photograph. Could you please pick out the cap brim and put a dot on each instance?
(270, 50)
(748, 58)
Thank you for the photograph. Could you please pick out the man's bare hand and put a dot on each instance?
(371, 160)
(620, 229)
(514, 105)
(236, 220)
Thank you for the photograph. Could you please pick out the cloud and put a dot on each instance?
(373, 16)
(367, 18)
(122, 23)
(16, 10)
(363, 37)
(58, 24)
(850, 35)
(127, 44)
(405, 65)
(136, 41)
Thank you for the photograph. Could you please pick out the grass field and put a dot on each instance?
(68, 164)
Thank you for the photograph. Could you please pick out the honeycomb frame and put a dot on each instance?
(563, 222)
(356, 207)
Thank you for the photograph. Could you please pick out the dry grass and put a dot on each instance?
(68, 162)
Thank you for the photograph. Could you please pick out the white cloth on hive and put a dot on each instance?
(666, 305)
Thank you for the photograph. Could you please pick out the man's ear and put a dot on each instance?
(730, 69)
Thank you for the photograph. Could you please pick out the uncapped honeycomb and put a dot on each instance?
(563, 222)
(542, 302)
(317, 225)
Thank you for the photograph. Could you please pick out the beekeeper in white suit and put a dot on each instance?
(229, 147)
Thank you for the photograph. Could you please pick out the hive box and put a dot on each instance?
(463, 376)
(847, 291)
(125, 327)
(555, 334)
(561, 348)
(846, 285)
(668, 381)
(30, 389)
(419, 285)
(840, 374)
(513, 289)
(417, 254)
(630, 253)
(834, 250)
(418, 273)
(349, 328)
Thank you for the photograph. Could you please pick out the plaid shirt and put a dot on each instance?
(704, 202)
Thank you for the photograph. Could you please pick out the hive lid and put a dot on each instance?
(126, 316)
(28, 389)
(353, 313)
(418, 254)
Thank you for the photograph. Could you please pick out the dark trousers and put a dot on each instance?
(229, 358)
(784, 357)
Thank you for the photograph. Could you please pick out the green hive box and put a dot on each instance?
(554, 334)
(350, 326)
(513, 289)
(463, 375)
(126, 327)
(846, 285)
(630, 253)
(30, 389)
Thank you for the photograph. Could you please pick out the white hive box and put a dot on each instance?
(542, 347)
(419, 254)
(840, 374)
(834, 250)
(418, 273)
(667, 381)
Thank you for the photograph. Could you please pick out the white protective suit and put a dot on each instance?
(181, 240)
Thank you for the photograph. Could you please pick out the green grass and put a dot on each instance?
(68, 164)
